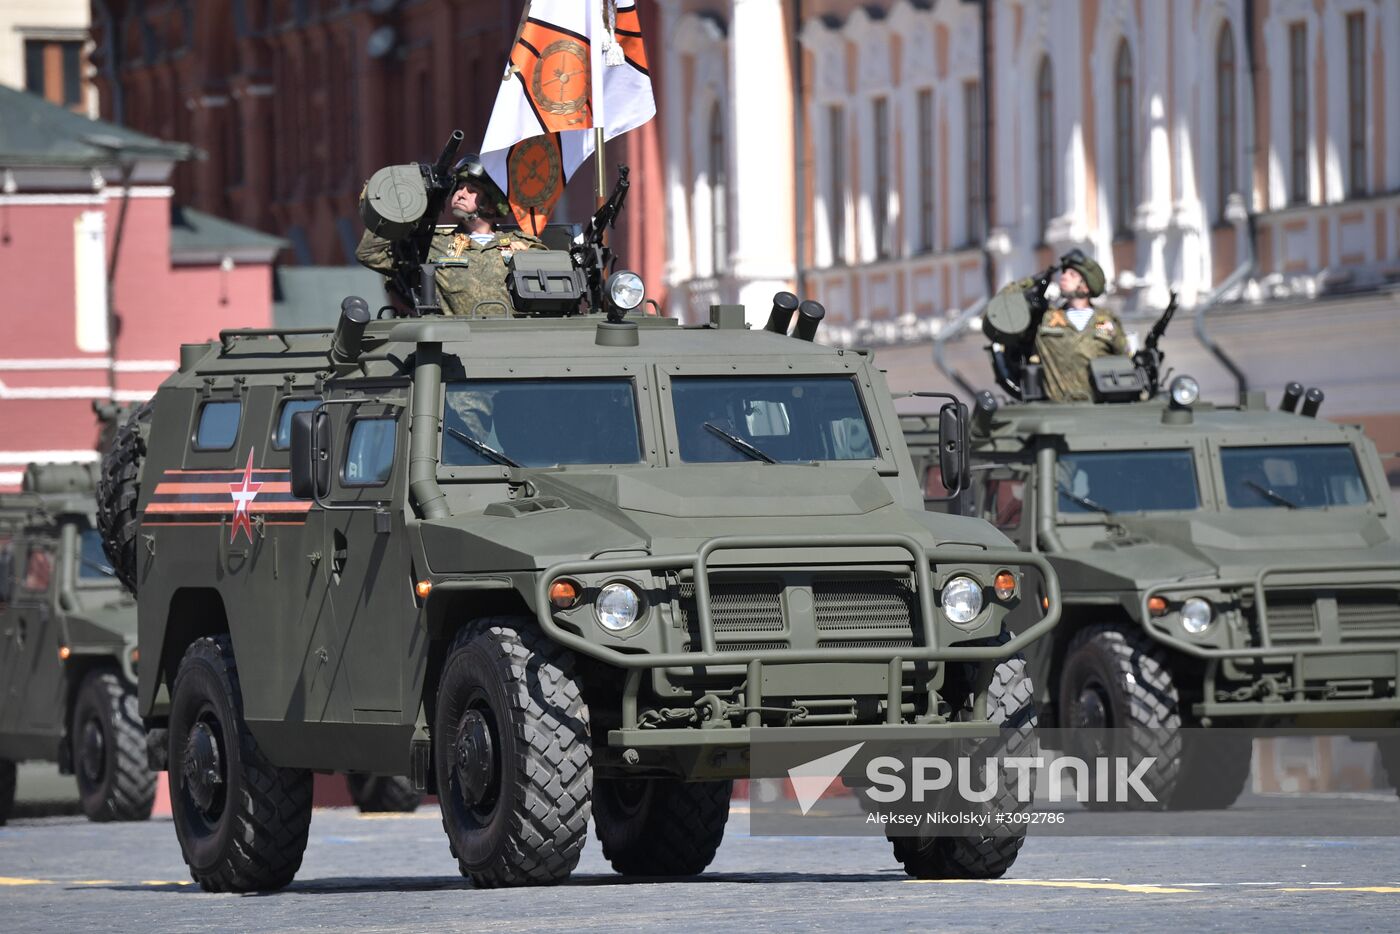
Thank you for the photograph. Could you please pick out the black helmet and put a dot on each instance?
(1090, 271)
(470, 169)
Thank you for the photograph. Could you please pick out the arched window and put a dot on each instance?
(1045, 145)
(1124, 163)
(719, 191)
(1225, 143)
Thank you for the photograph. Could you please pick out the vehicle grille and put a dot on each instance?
(867, 612)
(1292, 617)
(1362, 616)
(736, 606)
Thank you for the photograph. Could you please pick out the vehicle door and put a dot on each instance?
(34, 664)
(365, 608)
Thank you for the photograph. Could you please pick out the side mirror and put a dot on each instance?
(952, 446)
(311, 455)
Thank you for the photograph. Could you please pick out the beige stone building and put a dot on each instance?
(938, 148)
(44, 49)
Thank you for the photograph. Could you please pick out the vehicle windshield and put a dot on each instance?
(1311, 476)
(540, 422)
(1126, 481)
(785, 419)
(92, 560)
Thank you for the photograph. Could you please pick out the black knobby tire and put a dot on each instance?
(118, 492)
(1214, 770)
(242, 821)
(109, 751)
(660, 827)
(1011, 704)
(382, 794)
(1390, 760)
(7, 790)
(1129, 678)
(512, 754)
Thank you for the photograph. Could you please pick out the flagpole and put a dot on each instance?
(598, 144)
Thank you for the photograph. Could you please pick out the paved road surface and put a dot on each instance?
(394, 874)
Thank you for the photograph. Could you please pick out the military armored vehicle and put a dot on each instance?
(1222, 565)
(68, 656)
(561, 564)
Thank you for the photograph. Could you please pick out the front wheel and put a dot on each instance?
(7, 790)
(660, 826)
(109, 751)
(382, 794)
(1011, 705)
(511, 751)
(242, 821)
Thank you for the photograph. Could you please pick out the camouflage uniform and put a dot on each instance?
(1065, 352)
(472, 273)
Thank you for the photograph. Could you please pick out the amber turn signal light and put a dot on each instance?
(1045, 603)
(64, 652)
(423, 588)
(563, 594)
(1004, 585)
(1157, 606)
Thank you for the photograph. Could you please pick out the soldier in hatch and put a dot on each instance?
(1074, 334)
(474, 256)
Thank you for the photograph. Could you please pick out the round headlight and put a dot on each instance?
(1196, 615)
(617, 607)
(1185, 391)
(625, 290)
(962, 599)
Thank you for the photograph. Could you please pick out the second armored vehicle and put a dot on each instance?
(68, 656)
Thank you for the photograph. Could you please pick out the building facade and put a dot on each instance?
(102, 277)
(298, 102)
(938, 148)
(45, 50)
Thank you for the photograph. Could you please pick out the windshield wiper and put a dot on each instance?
(1084, 501)
(482, 448)
(739, 444)
(99, 568)
(1270, 495)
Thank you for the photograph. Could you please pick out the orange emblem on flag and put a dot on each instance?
(536, 170)
(553, 65)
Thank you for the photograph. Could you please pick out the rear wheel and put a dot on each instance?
(660, 827)
(109, 751)
(512, 755)
(382, 793)
(1118, 698)
(1011, 704)
(7, 790)
(242, 821)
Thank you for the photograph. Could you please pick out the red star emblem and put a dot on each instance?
(243, 493)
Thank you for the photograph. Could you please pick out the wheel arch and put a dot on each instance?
(449, 612)
(193, 613)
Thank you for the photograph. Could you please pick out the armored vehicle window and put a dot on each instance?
(1298, 477)
(282, 437)
(1126, 481)
(38, 569)
(369, 457)
(786, 419)
(92, 560)
(218, 426)
(540, 422)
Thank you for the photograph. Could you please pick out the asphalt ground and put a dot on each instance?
(394, 873)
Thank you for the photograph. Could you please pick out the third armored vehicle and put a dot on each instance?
(68, 655)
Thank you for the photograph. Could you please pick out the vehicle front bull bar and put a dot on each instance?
(699, 566)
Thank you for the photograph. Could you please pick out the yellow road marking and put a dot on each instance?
(1103, 886)
(1378, 889)
(95, 882)
(11, 880)
(166, 882)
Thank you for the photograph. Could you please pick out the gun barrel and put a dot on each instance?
(449, 152)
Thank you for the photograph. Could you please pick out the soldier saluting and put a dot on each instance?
(1071, 336)
(473, 258)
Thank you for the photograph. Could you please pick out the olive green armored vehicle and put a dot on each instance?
(1222, 565)
(562, 564)
(68, 657)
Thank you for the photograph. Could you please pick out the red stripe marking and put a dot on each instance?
(211, 525)
(226, 507)
(268, 486)
(236, 473)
